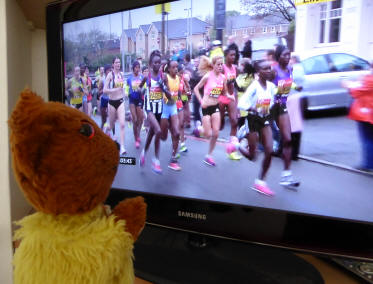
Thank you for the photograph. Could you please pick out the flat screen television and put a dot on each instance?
(330, 212)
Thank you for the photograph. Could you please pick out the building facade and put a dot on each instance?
(337, 26)
(243, 27)
(147, 38)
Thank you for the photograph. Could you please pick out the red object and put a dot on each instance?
(362, 106)
(179, 104)
(224, 100)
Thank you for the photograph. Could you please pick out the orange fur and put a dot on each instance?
(133, 210)
(59, 170)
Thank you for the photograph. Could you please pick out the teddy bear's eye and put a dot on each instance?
(87, 130)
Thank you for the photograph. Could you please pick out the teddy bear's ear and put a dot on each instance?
(26, 141)
(26, 110)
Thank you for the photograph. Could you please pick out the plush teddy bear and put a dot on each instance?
(65, 166)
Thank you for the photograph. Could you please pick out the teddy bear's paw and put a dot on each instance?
(133, 211)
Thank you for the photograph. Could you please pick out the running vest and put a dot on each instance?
(154, 95)
(117, 82)
(133, 84)
(258, 98)
(230, 73)
(184, 95)
(77, 89)
(214, 85)
(174, 86)
(284, 82)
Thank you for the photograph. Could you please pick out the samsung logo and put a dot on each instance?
(192, 215)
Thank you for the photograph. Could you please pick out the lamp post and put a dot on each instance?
(189, 29)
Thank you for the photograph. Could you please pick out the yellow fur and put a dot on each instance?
(88, 248)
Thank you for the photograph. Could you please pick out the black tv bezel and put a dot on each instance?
(291, 230)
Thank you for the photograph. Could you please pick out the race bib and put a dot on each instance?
(263, 106)
(284, 86)
(135, 85)
(216, 92)
(155, 94)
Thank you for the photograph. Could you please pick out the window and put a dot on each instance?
(264, 30)
(273, 29)
(341, 62)
(234, 32)
(153, 35)
(244, 31)
(252, 31)
(315, 65)
(330, 21)
(140, 36)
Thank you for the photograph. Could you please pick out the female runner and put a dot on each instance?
(114, 83)
(154, 106)
(258, 100)
(215, 85)
(283, 79)
(136, 101)
(230, 72)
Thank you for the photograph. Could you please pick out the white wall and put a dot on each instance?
(355, 38)
(24, 63)
(39, 68)
(5, 226)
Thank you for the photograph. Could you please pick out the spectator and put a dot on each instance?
(295, 108)
(247, 49)
(362, 111)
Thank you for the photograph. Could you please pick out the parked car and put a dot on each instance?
(323, 74)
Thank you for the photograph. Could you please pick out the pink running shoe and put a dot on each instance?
(261, 187)
(137, 144)
(156, 168)
(173, 165)
(209, 161)
(142, 158)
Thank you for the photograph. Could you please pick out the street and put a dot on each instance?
(324, 190)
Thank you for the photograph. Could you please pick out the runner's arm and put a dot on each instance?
(225, 91)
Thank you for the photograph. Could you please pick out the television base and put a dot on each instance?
(169, 257)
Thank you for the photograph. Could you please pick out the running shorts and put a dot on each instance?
(256, 123)
(210, 110)
(169, 110)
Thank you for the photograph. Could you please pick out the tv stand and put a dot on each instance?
(169, 257)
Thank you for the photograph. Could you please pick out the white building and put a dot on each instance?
(336, 26)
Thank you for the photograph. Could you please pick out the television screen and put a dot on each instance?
(232, 103)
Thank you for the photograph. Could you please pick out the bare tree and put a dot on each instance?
(282, 8)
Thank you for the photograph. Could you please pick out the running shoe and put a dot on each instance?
(94, 111)
(209, 161)
(183, 148)
(138, 139)
(142, 158)
(262, 187)
(287, 180)
(156, 167)
(122, 150)
(177, 156)
(234, 156)
(137, 144)
(173, 165)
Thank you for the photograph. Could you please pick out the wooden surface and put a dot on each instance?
(331, 274)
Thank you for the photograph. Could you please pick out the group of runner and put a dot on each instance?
(253, 95)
